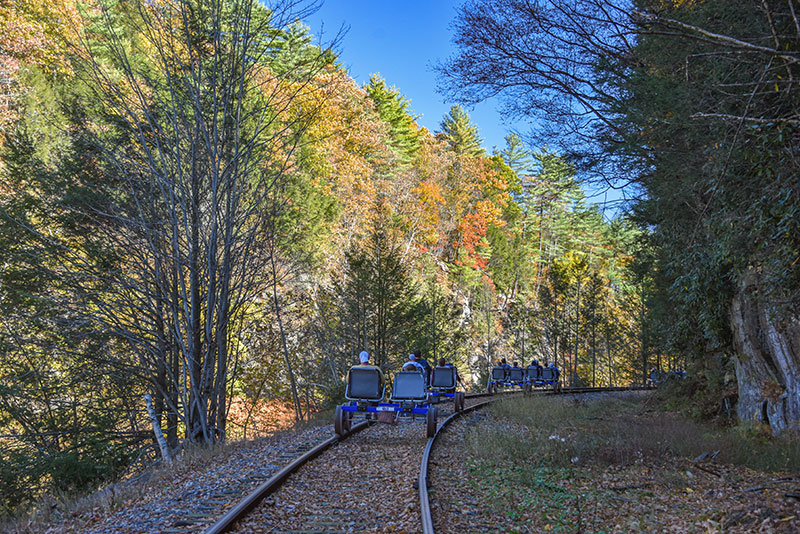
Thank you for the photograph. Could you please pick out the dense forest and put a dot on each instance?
(694, 104)
(199, 204)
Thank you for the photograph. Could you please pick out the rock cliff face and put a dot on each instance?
(767, 360)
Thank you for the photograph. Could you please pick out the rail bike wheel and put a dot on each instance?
(430, 421)
(341, 421)
(459, 401)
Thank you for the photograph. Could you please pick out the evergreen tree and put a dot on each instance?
(394, 109)
(375, 305)
(435, 329)
(295, 55)
(516, 156)
(59, 397)
(460, 133)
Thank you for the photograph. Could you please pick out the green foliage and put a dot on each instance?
(58, 397)
(306, 214)
(436, 330)
(460, 133)
(394, 110)
(718, 190)
(515, 490)
(292, 52)
(516, 155)
(375, 304)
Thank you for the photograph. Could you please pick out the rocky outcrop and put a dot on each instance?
(767, 359)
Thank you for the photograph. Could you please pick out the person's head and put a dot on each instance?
(412, 357)
(535, 362)
(516, 364)
(552, 364)
(417, 354)
(364, 357)
(441, 362)
(503, 361)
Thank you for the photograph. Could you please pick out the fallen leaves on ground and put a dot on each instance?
(651, 494)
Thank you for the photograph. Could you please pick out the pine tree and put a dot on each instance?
(375, 304)
(297, 56)
(516, 156)
(393, 109)
(460, 133)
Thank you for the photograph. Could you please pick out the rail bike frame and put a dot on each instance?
(551, 378)
(501, 379)
(400, 409)
(409, 399)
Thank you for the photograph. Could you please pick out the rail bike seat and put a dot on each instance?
(515, 374)
(498, 373)
(409, 386)
(534, 372)
(443, 378)
(365, 385)
(548, 374)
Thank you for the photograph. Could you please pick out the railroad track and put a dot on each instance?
(375, 481)
(369, 483)
(200, 509)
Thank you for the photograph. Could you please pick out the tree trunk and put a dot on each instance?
(174, 386)
(608, 356)
(298, 409)
(555, 339)
(594, 354)
(196, 412)
(643, 340)
(574, 379)
(767, 360)
(162, 443)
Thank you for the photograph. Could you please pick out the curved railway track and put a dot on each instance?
(383, 475)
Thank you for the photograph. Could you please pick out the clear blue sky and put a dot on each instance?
(401, 40)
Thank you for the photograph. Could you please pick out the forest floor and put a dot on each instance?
(604, 463)
(159, 499)
(609, 465)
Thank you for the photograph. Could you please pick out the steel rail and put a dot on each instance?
(250, 501)
(226, 522)
(425, 505)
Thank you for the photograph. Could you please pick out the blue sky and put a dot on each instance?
(401, 40)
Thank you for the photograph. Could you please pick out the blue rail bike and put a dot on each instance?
(543, 377)
(508, 378)
(444, 380)
(366, 392)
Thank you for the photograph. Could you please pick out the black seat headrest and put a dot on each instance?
(498, 373)
(444, 377)
(364, 384)
(409, 386)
